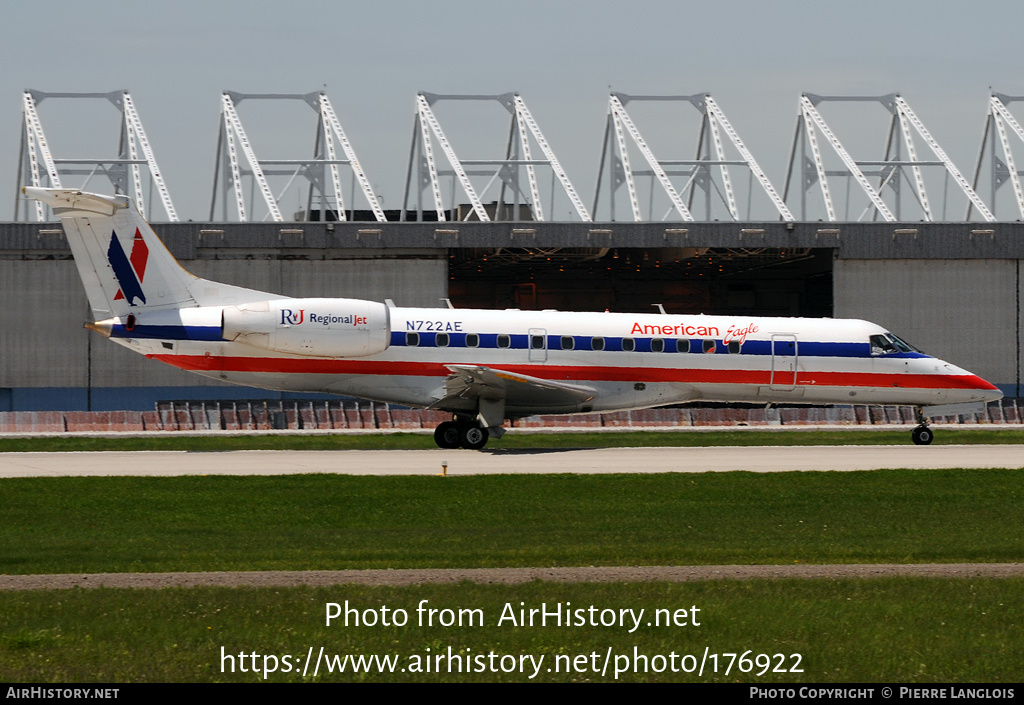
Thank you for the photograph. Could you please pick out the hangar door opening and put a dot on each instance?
(756, 281)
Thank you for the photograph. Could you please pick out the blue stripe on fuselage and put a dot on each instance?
(582, 343)
(614, 344)
(142, 331)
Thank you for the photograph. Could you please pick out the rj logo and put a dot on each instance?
(289, 318)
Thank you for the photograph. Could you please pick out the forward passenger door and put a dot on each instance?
(784, 362)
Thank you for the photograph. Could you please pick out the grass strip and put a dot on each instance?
(298, 522)
(513, 440)
(895, 630)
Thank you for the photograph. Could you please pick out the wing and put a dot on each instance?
(522, 394)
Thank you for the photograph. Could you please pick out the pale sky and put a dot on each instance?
(755, 58)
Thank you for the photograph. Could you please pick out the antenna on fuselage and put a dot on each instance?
(661, 307)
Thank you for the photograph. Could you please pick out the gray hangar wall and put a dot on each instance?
(952, 289)
(965, 311)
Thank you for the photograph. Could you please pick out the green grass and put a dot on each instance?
(128, 524)
(513, 440)
(896, 630)
(875, 631)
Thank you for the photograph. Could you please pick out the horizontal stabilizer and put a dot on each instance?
(63, 200)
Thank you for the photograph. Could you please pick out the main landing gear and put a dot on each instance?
(460, 434)
(922, 435)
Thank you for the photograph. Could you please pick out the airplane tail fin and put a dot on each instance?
(123, 264)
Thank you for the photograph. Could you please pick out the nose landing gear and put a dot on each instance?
(460, 434)
(922, 435)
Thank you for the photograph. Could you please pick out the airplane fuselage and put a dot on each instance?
(628, 360)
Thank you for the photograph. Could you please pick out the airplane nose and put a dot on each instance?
(990, 393)
(969, 387)
(980, 390)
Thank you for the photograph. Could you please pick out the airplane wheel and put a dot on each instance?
(922, 435)
(447, 435)
(473, 437)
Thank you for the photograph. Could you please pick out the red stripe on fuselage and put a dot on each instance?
(282, 365)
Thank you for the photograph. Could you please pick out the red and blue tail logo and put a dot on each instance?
(129, 272)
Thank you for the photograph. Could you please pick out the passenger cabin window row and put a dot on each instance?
(880, 345)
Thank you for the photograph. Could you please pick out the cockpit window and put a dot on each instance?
(889, 344)
(902, 344)
(880, 345)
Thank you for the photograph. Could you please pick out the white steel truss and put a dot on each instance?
(1002, 169)
(38, 166)
(34, 146)
(331, 131)
(711, 153)
(322, 171)
(716, 113)
(889, 170)
(622, 119)
(232, 129)
(136, 133)
(524, 117)
(508, 171)
(906, 112)
(813, 118)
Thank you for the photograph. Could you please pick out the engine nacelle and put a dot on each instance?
(314, 327)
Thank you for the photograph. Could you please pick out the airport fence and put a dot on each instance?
(351, 415)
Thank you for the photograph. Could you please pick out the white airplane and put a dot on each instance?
(482, 366)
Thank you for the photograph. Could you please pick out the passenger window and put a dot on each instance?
(442, 340)
(597, 343)
(683, 345)
(412, 339)
(568, 343)
(709, 346)
(657, 345)
(537, 342)
(504, 341)
(472, 340)
(734, 347)
(628, 344)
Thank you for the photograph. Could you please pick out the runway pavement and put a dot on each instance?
(495, 460)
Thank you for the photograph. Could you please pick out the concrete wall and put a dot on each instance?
(966, 312)
(50, 362)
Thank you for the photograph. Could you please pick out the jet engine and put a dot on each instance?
(314, 327)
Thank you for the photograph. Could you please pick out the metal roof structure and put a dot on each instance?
(321, 171)
(699, 172)
(840, 170)
(891, 172)
(518, 165)
(1001, 169)
(37, 166)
